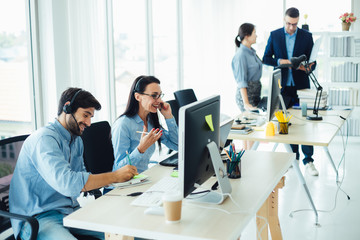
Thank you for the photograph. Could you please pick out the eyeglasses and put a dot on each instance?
(291, 24)
(154, 96)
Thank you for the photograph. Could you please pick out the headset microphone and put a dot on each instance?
(76, 121)
(68, 108)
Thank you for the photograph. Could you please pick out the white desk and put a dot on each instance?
(261, 172)
(304, 132)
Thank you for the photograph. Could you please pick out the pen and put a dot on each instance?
(127, 154)
(142, 132)
(227, 154)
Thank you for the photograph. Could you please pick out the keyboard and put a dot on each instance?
(152, 196)
(171, 161)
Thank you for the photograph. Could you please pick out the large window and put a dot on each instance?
(318, 18)
(15, 97)
(130, 49)
(145, 43)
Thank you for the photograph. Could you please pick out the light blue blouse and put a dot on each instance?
(125, 138)
(49, 173)
(246, 66)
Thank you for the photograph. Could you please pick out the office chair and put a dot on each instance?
(10, 149)
(174, 109)
(185, 96)
(98, 150)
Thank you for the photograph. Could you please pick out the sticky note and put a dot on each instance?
(139, 176)
(175, 174)
(279, 82)
(208, 119)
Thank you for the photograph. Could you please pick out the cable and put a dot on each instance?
(342, 160)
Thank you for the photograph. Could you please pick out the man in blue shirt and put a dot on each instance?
(50, 173)
(284, 43)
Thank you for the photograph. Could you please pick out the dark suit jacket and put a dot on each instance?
(276, 48)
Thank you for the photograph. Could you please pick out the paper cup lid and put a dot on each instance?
(172, 196)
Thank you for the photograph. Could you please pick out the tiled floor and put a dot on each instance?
(343, 221)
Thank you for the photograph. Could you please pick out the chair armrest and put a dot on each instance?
(34, 224)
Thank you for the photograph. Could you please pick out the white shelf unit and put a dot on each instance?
(338, 72)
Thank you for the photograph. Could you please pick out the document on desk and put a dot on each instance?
(244, 131)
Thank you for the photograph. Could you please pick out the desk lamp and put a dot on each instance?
(296, 62)
(319, 90)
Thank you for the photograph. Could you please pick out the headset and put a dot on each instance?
(67, 108)
(136, 89)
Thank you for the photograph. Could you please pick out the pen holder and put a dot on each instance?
(233, 169)
(283, 127)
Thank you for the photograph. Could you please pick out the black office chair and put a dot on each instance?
(185, 96)
(174, 109)
(10, 149)
(98, 150)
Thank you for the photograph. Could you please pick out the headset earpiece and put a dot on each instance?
(67, 108)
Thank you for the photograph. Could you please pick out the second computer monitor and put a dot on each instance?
(274, 97)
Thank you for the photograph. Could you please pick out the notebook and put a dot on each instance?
(136, 180)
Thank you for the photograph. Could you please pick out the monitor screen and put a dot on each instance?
(198, 126)
(273, 102)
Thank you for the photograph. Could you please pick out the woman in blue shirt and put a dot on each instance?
(247, 69)
(141, 115)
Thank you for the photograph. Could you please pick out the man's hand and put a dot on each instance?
(125, 173)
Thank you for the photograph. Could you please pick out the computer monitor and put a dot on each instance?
(225, 126)
(199, 156)
(274, 97)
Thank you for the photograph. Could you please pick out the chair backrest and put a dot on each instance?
(98, 149)
(185, 96)
(9, 153)
(174, 109)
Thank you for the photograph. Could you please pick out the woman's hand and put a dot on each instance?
(248, 106)
(149, 139)
(166, 110)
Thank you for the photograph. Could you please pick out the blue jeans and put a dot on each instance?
(51, 228)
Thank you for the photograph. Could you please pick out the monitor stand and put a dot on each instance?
(222, 178)
(283, 106)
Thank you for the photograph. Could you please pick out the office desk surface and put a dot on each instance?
(302, 131)
(261, 171)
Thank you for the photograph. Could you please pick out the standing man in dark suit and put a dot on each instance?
(284, 43)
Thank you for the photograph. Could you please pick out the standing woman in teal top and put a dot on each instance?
(247, 69)
(141, 115)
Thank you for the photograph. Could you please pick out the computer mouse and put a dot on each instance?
(154, 211)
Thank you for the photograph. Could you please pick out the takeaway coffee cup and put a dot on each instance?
(172, 207)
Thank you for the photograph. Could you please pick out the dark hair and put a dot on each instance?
(246, 29)
(292, 12)
(83, 99)
(132, 107)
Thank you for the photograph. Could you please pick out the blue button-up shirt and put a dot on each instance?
(49, 173)
(290, 43)
(125, 138)
(246, 66)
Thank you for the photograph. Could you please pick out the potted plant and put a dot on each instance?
(347, 19)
